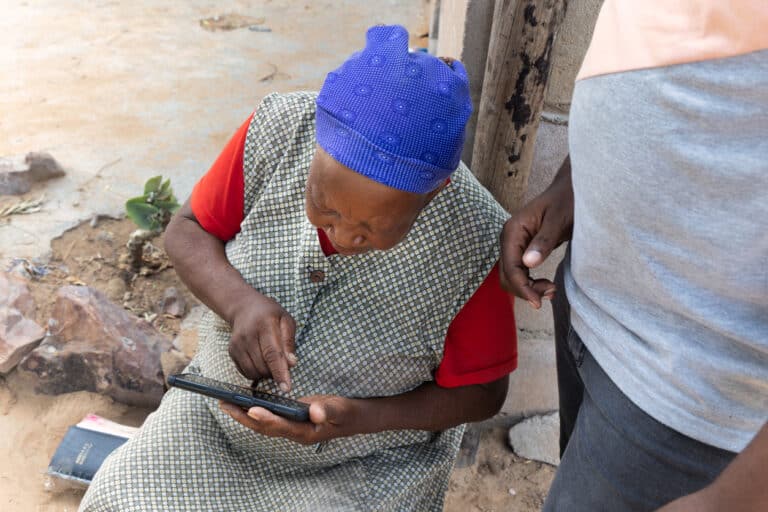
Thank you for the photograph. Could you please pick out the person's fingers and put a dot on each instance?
(268, 424)
(545, 288)
(317, 413)
(517, 281)
(254, 355)
(288, 333)
(273, 425)
(545, 240)
(273, 355)
(514, 277)
(243, 361)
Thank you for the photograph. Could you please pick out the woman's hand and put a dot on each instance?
(330, 417)
(428, 407)
(531, 234)
(263, 340)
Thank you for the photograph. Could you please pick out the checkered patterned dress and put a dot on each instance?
(374, 326)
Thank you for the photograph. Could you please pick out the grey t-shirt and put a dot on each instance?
(668, 277)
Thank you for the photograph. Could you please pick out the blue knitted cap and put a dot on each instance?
(394, 116)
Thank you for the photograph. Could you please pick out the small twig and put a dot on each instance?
(270, 76)
(107, 166)
(97, 174)
(23, 207)
(71, 246)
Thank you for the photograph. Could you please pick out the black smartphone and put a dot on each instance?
(242, 396)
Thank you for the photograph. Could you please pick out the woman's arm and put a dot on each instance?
(428, 407)
(262, 331)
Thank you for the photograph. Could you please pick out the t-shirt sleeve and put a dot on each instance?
(217, 199)
(481, 344)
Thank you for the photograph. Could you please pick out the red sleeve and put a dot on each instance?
(481, 344)
(218, 198)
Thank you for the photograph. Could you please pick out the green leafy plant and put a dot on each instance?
(153, 210)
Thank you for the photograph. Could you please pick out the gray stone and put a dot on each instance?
(37, 167)
(95, 345)
(14, 293)
(18, 336)
(537, 438)
(173, 303)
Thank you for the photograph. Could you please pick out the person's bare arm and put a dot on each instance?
(262, 331)
(741, 487)
(428, 407)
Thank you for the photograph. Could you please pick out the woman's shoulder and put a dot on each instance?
(282, 103)
(473, 207)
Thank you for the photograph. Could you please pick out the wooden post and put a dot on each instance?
(513, 95)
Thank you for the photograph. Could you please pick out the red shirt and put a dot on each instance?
(481, 343)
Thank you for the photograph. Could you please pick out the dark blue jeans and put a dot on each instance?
(615, 457)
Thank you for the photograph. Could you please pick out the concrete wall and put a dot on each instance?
(464, 32)
(464, 29)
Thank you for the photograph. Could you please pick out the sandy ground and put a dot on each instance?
(120, 91)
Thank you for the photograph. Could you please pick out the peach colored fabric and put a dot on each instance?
(636, 34)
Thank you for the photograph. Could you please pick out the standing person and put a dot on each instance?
(662, 343)
(349, 260)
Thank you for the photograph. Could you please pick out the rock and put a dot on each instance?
(537, 438)
(14, 293)
(42, 166)
(18, 336)
(116, 289)
(188, 338)
(173, 362)
(97, 346)
(18, 179)
(173, 303)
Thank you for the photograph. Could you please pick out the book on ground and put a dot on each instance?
(83, 449)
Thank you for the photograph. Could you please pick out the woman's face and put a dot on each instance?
(357, 213)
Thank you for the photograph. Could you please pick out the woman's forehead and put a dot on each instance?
(333, 178)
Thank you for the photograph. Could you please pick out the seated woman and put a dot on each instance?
(348, 260)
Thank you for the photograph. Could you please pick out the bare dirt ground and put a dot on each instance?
(31, 425)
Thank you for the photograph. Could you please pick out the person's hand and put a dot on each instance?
(263, 340)
(330, 417)
(531, 234)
